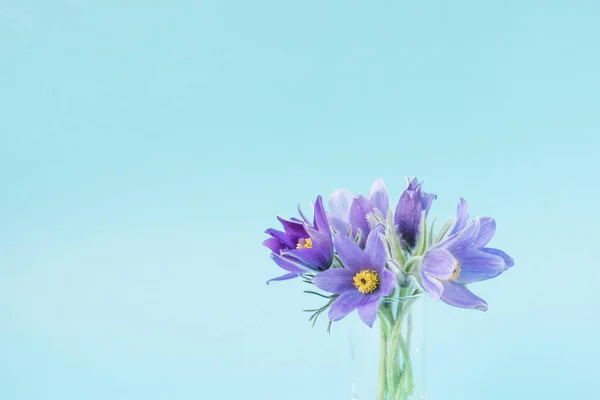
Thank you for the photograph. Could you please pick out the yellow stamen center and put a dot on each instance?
(304, 244)
(456, 272)
(366, 281)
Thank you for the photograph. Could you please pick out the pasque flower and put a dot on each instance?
(413, 204)
(362, 282)
(348, 213)
(463, 259)
(302, 247)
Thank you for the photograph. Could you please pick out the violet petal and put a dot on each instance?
(285, 277)
(313, 257)
(462, 216)
(465, 238)
(339, 204)
(486, 232)
(320, 221)
(368, 312)
(302, 215)
(340, 226)
(345, 304)
(359, 209)
(350, 254)
(336, 280)
(293, 228)
(388, 282)
(408, 217)
(476, 265)
(375, 249)
(508, 260)
(432, 285)
(288, 264)
(283, 237)
(457, 295)
(379, 197)
(274, 244)
(439, 264)
(427, 201)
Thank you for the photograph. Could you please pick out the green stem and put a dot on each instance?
(381, 385)
(408, 340)
(397, 344)
(386, 315)
(393, 362)
(407, 376)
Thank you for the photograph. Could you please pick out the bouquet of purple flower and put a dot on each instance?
(376, 260)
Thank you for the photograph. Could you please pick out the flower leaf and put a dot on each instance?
(430, 241)
(393, 239)
(444, 230)
(318, 294)
(422, 241)
(358, 237)
(413, 265)
(372, 220)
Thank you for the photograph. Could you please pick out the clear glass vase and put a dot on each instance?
(388, 359)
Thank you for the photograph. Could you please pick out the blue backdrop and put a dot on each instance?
(145, 146)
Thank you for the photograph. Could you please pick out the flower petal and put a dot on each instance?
(431, 285)
(427, 201)
(462, 216)
(320, 220)
(323, 243)
(465, 238)
(302, 215)
(288, 264)
(375, 249)
(388, 282)
(319, 257)
(368, 312)
(459, 296)
(408, 217)
(486, 232)
(293, 228)
(345, 304)
(336, 280)
(339, 204)
(412, 184)
(350, 254)
(274, 244)
(476, 265)
(340, 226)
(359, 209)
(283, 237)
(439, 264)
(378, 196)
(285, 277)
(508, 260)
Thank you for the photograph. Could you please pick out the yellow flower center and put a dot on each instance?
(304, 244)
(366, 281)
(456, 272)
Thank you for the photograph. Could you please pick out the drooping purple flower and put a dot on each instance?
(463, 259)
(348, 213)
(302, 247)
(362, 282)
(409, 211)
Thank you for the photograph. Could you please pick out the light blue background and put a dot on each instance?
(145, 146)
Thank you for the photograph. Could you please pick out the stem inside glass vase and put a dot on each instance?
(397, 378)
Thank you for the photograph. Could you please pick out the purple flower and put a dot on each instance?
(362, 282)
(302, 247)
(348, 213)
(409, 211)
(463, 259)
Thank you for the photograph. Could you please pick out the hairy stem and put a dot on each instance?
(381, 385)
